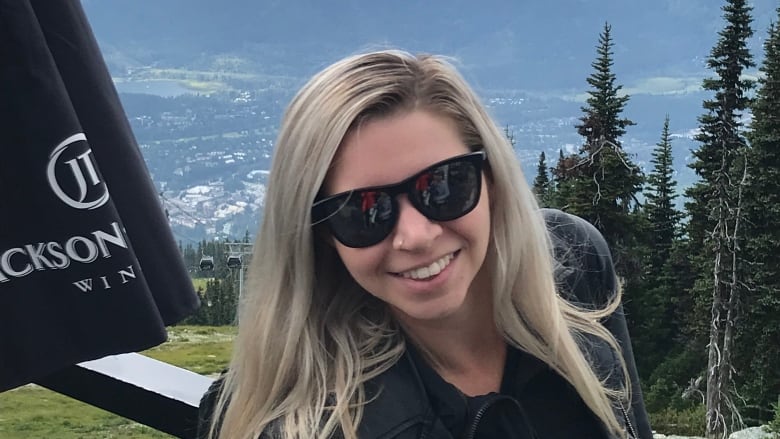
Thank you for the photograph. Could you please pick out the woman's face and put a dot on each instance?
(386, 151)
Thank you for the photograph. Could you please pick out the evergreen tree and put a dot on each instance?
(191, 258)
(560, 181)
(201, 316)
(658, 322)
(218, 304)
(758, 339)
(661, 213)
(601, 182)
(716, 225)
(542, 187)
(602, 120)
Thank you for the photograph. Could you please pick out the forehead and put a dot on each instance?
(387, 150)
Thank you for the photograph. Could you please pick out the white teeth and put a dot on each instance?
(429, 271)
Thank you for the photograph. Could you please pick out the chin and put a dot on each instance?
(427, 313)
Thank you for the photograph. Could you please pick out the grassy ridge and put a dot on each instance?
(32, 412)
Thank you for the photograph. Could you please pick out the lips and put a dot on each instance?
(429, 271)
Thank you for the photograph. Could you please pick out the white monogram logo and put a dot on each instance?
(77, 165)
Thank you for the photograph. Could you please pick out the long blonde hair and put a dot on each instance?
(309, 337)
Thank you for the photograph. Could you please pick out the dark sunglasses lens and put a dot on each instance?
(442, 193)
(448, 191)
(362, 219)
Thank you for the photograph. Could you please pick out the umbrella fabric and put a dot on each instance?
(88, 264)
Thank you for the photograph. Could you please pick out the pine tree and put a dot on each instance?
(562, 177)
(658, 322)
(601, 183)
(602, 120)
(758, 338)
(191, 257)
(715, 208)
(542, 187)
(660, 194)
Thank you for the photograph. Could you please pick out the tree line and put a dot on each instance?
(701, 285)
(217, 284)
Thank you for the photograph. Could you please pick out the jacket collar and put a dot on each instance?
(398, 405)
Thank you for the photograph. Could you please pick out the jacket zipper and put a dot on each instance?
(480, 413)
(477, 418)
(631, 430)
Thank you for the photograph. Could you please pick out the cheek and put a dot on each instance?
(360, 262)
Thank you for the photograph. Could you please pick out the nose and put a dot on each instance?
(413, 232)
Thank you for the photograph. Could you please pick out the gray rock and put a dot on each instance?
(748, 433)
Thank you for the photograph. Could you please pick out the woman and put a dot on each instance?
(441, 320)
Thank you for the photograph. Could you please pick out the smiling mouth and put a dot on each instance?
(430, 271)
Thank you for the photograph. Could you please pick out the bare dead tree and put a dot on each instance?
(735, 291)
(716, 423)
(693, 389)
(722, 412)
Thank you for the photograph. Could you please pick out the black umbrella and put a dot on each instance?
(88, 264)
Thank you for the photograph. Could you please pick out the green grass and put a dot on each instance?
(200, 283)
(202, 349)
(32, 412)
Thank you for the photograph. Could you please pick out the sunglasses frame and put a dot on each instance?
(406, 186)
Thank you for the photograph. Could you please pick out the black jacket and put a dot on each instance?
(401, 408)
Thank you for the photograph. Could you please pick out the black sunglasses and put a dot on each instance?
(442, 192)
